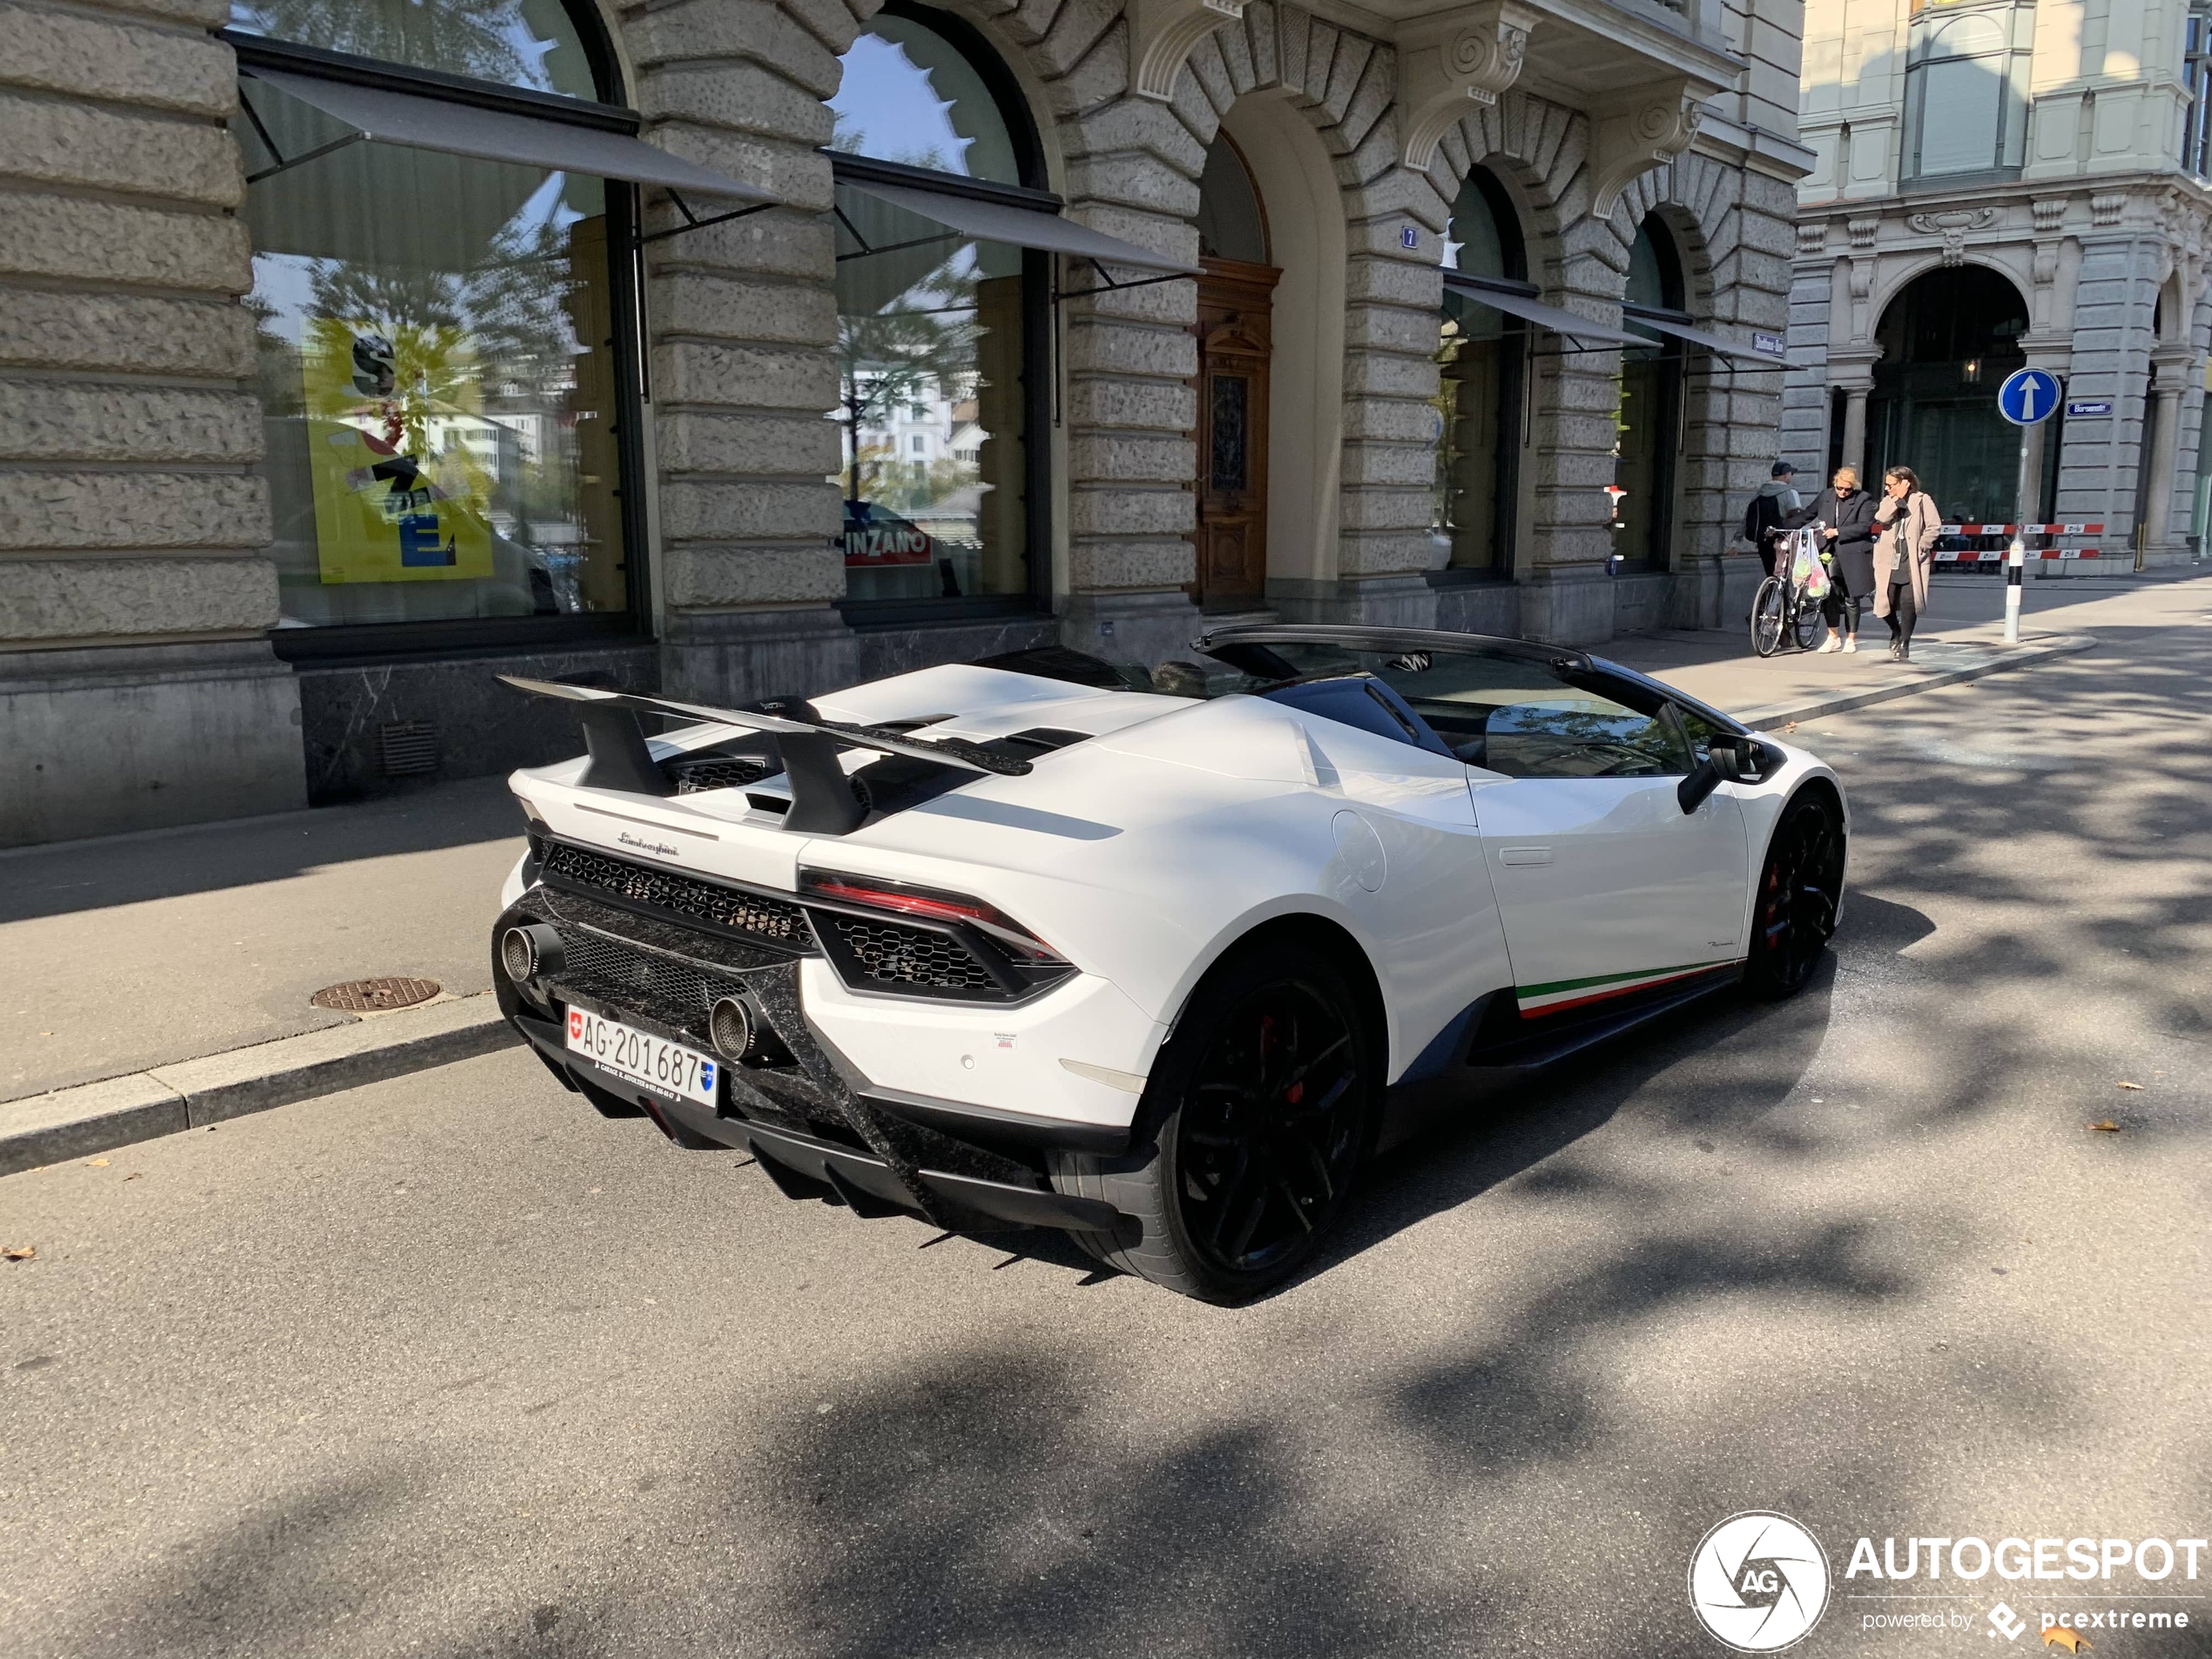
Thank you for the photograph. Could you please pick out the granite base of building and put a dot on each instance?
(1137, 627)
(95, 742)
(378, 728)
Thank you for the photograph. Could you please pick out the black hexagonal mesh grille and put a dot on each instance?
(701, 901)
(896, 955)
(716, 771)
(637, 982)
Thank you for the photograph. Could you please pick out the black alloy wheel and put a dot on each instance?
(1266, 1105)
(1801, 891)
(1271, 1131)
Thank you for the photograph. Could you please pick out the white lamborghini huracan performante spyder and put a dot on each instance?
(1156, 958)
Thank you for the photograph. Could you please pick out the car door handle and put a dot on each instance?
(1525, 855)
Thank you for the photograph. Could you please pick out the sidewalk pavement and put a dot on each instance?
(160, 981)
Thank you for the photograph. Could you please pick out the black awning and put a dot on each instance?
(1019, 226)
(1529, 309)
(380, 115)
(1719, 345)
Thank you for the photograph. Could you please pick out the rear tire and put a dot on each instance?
(1265, 1100)
(1800, 894)
(1768, 611)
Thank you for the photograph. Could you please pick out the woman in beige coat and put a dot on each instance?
(1907, 525)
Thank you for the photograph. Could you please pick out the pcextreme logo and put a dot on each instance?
(1758, 1581)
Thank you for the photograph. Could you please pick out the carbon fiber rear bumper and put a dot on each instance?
(805, 1165)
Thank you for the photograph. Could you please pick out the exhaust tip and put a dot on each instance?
(730, 1022)
(526, 951)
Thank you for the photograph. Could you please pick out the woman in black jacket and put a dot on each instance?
(1848, 512)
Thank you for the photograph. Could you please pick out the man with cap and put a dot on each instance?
(1776, 500)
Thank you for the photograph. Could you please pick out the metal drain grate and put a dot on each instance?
(407, 748)
(375, 995)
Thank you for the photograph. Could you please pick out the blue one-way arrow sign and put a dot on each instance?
(2028, 395)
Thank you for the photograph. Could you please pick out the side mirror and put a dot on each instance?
(1733, 760)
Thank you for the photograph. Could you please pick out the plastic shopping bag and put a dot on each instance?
(1807, 568)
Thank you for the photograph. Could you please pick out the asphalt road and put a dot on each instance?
(451, 1367)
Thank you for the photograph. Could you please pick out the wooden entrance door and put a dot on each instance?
(1234, 344)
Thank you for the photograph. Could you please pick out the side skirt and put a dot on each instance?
(1498, 1047)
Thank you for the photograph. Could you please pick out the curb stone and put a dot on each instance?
(192, 1094)
(1767, 719)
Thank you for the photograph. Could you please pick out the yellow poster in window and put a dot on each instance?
(397, 449)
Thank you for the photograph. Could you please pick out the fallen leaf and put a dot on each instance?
(18, 1253)
(2071, 1640)
(2131, 1085)
(95, 1164)
(135, 1175)
(2107, 1126)
(1788, 729)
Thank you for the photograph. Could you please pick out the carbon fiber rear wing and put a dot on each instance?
(822, 801)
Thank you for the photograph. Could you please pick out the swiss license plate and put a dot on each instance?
(642, 1058)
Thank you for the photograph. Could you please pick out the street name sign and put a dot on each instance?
(2100, 406)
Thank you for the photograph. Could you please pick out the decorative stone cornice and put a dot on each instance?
(1953, 226)
(1445, 64)
(1636, 130)
(1161, 35)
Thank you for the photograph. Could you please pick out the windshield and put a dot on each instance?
(1500, 710)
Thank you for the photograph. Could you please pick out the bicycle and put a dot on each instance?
(1788, 605)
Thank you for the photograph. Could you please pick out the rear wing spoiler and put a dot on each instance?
(822, 801)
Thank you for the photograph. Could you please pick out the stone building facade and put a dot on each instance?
(2000, 187)
(174, 647)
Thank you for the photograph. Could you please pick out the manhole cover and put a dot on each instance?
(373, 996)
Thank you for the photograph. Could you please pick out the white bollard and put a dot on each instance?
(2015, 568)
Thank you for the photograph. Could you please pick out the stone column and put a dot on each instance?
(743, 319)
(137, 684)
(2170, 364)
(1852, 373)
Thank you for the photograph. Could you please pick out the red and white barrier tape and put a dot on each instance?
(2043, 553)
(2022, 530)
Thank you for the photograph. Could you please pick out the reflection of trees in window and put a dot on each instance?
(507, 41)
(917, 349)
(469, 348)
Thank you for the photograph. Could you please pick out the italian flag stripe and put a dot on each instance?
(1560, 995)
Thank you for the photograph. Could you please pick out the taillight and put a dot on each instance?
(928, 904)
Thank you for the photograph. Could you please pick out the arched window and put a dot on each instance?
(1965, 104)
(1948, 342)
(941, 421)
(1651, 403)
(1481, 362)
(447, 367)
(1232, 223)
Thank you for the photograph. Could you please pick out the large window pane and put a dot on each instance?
(531, 44)
(438, 383)
(1478, 405)
(930, 407)
(1960, 103)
